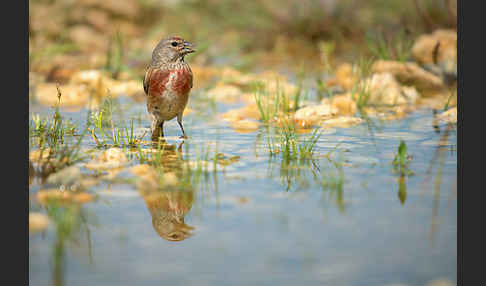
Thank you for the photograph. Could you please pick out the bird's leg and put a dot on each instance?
(179, 120)
(157, 129)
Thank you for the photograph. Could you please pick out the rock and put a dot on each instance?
(71, 95)
(342, 121)
(37, 222)
(410, 74)
(232, 115)
(343, 104)
(225, 93)
(311, 115)
(383, 89)
(67, 177)
(89, 77)
(96, 81)
(247, 112)
(245, 126)
(449, 116)
(110, 159)
(250, 111)
(446, 53)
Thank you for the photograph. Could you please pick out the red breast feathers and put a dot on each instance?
(157, 81)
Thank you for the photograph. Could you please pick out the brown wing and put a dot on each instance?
(155, 81)
(146, 80)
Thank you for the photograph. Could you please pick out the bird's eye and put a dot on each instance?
(174, 44)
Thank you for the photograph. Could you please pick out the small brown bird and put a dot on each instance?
(167, 83)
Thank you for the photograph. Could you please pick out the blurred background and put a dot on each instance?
(119, 36)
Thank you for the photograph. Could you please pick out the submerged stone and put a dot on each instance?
(342, 121)
(245, 126)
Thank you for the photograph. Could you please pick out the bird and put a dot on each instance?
(167, 83)
(167, 199)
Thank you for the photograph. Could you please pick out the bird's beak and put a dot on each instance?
(188, 48)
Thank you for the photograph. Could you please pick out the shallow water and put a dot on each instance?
(255, 222)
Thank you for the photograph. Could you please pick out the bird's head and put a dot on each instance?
(172, 49)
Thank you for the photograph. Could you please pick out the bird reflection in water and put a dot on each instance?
(168, 195)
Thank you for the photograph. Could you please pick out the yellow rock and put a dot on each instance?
(424, 46)
(250, 111)
(311, 115)
(449, 116)
(94, 80)
(37, 222)
(245, 126)
(343, 122)
(232, 115)
(343, 104)
(384, 89)
(225, 93)
(410, 74)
